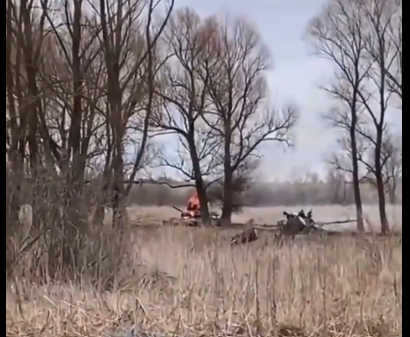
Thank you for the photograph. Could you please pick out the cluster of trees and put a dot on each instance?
(363, 40)
(91, 86)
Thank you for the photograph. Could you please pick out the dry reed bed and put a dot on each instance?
(189, 282)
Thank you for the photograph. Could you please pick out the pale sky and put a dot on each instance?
(295, 77)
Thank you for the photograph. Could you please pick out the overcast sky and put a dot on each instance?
(295, 76)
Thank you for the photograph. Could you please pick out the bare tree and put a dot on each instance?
(25, 35)
(15, 125)
(385, 19)
(391, 158)
(239, 113)
(185, 98)
(358, 39)
(129, 54)
(69, 115)
(337, 183)
(337, 35)
(382, 51)
(32, 149)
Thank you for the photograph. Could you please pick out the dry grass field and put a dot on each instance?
(189, 282)
(270, 215)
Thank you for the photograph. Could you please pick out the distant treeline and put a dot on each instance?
(264, 194)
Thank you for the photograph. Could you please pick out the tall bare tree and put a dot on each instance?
(239, 112)
(381, 49)
(185, 98)
(25, 34)
(15, 126)
(68, 114)
(129, 53)
(337, 34)
(361, 39)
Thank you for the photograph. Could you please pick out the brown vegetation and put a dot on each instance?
(91, 87)
(186, 282)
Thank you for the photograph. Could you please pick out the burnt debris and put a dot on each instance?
(248, 235)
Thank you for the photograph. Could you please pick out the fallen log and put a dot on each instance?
(330, 223)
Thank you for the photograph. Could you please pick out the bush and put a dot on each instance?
(57, 241)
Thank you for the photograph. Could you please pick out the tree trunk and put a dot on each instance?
(385, 227)
(226, 217)
(118, 190)
(203, 201)
(382, 207)
(356, 179)
(199, 182)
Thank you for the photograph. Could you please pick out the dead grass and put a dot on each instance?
(189, 282)
(269, 215)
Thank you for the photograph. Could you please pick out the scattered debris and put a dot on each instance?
(294, 224)
(246, 236)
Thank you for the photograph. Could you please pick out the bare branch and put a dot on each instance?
(184, 98)
(337, 34)
(239, 113)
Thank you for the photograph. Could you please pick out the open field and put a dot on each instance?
(188, 282)
(270, 215)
